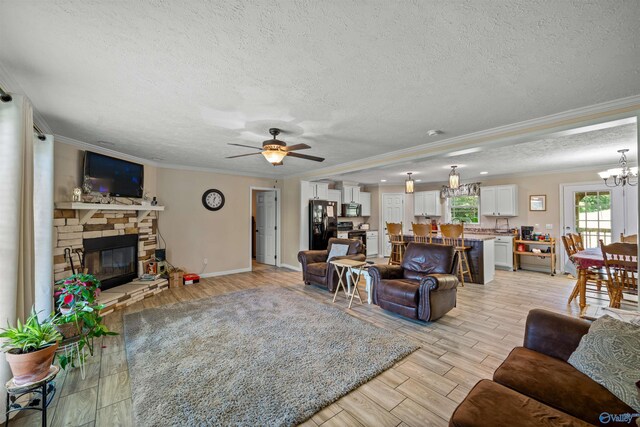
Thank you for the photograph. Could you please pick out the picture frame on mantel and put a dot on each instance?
(538, 202)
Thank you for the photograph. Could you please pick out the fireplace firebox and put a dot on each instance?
(113, 260)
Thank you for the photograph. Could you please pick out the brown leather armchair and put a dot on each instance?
(423, 287)
(317, 269)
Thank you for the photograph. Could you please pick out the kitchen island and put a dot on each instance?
(481, 256)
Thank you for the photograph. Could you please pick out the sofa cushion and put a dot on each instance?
(491, 404)
(317, 269)
(556, 383)
(610, 355)
(337, 250)
(399, 291)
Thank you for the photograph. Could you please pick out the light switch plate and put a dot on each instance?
(549, 226)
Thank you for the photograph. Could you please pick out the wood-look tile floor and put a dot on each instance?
(423, 389)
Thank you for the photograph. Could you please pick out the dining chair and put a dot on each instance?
(621, 263)
(595, 277)
(632, 238)
(577, 241)
(453, 235)
(421, 233)
(398, 245)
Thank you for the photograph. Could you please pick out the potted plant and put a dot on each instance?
(78, 312)
(30, 348)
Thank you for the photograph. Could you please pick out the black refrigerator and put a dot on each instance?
(323, 223)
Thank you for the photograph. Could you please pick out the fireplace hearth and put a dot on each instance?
(113, 260)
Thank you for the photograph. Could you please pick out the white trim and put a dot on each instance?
(278, 215)
(502, 135)
(224, 273)
(291, 267)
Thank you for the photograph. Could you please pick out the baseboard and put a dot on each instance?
(291, 267)
(225, 273)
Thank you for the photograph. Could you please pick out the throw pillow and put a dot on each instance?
(337, 250)
(609, 354)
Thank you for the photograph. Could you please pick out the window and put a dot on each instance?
(464, 209)
(593, 217)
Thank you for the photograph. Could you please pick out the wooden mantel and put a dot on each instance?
(92, 208)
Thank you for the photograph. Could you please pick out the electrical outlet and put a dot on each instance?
(205, 261)
(549, 226)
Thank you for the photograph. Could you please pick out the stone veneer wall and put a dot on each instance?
(68, 233)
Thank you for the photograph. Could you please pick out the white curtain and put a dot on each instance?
(19, 253)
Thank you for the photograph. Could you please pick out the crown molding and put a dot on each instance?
(516, 132)
(106, 151)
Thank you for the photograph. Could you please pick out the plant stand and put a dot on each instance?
(42, 392)
(71, 346)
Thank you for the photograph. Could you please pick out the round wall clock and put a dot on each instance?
(213, 200)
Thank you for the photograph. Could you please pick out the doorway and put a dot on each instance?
(392, 211)
(265, 226)
(598, 213)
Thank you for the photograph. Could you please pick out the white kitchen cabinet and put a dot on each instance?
(499, 200)
(365, 202)
(427, 203)
(504, 252)
(350, 194)
(319, 190)
(336, 196)
(372, 243)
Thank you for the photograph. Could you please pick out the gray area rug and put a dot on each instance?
(267, 356)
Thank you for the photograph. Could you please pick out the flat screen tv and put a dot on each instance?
(114, 176)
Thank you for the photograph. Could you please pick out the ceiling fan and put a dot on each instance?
(275, 150)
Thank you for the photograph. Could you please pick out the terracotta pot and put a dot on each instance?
(31, 367)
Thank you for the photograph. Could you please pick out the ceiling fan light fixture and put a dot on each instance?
(274, 156)
(408, 184)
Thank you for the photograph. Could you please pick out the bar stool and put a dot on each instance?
(421, 233)
(394, 230)
(453, 235)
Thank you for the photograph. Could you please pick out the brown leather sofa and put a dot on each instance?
(423, 287)
(317, 269)
(536, 386)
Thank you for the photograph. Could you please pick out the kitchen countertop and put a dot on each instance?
(469, 237)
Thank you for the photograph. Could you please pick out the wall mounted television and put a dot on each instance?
(114, 176)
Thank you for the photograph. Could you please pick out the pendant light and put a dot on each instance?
(408, 184)
(454, 178)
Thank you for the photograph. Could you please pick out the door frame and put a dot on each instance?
(382, 236)
(278, 231)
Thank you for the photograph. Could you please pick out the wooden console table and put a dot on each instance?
(542, 243)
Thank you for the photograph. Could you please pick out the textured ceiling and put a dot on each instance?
(577, 151)
(178, 80)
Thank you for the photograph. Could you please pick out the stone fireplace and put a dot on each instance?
(109, 240)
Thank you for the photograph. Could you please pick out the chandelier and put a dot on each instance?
(455, 189)
(622, 175)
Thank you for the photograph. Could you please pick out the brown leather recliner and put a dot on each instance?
(423, 287)
(317, 269)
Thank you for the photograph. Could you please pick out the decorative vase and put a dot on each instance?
(31, 367)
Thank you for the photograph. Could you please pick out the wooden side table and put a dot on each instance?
(551, 255)
(352, 270)
(42, 391)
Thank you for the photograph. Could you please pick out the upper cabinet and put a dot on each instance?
(319, 190)
(336, 196)
(499, 200)
(427, 203)
(350, 194)
(365, 202)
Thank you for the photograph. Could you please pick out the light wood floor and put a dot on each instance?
(423, 389)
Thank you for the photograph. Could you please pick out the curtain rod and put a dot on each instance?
(6, 97)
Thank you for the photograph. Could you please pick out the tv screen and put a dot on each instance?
(114, 176)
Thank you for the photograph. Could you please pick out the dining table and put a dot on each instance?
(590, 258)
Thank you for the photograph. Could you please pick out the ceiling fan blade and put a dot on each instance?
(306, 157)
(246, 146)
(242, 155)
(297, 147)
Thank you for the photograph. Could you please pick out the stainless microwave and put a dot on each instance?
(351, 210)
